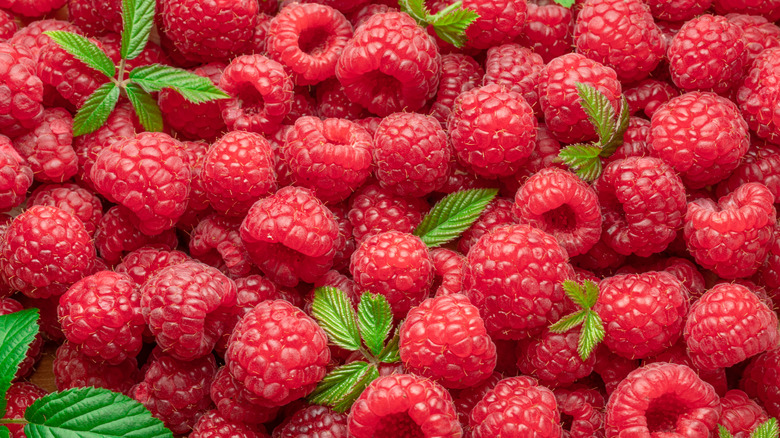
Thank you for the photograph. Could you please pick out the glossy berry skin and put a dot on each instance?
(278, 352)
(759, 93)
(552, 358)
(643, 314)
(585, 406)
(19, 397)
(459, 73)
(142, 263)
(235, 403)
(499, 22)
(448, 269)
(404, 405)
(548, 30)
(390, 64)
(73, 199)
(373, 209)
(513, 275)
(662, 397)
(515, 68)
(315, 422)
(73, 80)
(187, 307)
(213, 425)
(216, 241)
(648, 95)
(497, 213)
(761, 380)
(740, 415)
(22, 106)
(733, 236)
(16, 176)
(519, 406)
(759, 34)
(116, 235)
(72, 369)
(7, 26)
(194, 120)
(727, 325)
(32, 38)
(760, 164)
(48, 147)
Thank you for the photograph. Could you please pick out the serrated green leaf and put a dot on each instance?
(592, 333)
(599, 110)
(96, 109)
(575, 292)
(416, 9)
(375, 319)
(391, 354)
(568, 322)
(84, 50)
(4, 432)
(583, 159)
(91, 413)
(137, 20)
(591, 293)
(723, 432)
(767, 429)
(451, 27)
(338, 383)
(369, 375)
(617, 136)
(565, 3)
(192, 87)
(145, 107)
(453, 215)
(333, 311)
(17, 331)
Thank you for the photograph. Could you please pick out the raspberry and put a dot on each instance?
(759, 34)
(708, 54)
(142, 263)
(22, 91)
(32, 8)
(216, 241)
(278, 352)
(662, 399)
(151, 54)
(611, 368)
(396, 265)
(194, 120)
(411, 154)
(16, 176)
(760, 92)
(19, 397)
(769, 274)
(493, 131)
(465, 399)
(740, 415)
(648, 95)
(116, 235)
(448, 271)
(548, 29)
(770, 9)
(761, 380)
(70, 77)
(198, 206)
(345, 242)
(303, 104)
(235, 403)
(518, 404)
(552, 358)
(48, 147)
(265, 91)
(685, 271)
(332, 102)
(677, 10)
(560, 101)
(559, 203)
(315, 422)
(32, 38)
(733, 236)
(72, 369)
(390, 65)
(8, 306)
(73, 199)
(291, 236)
(96, 18)
(499, 22)
(176, 391)
(634, 140)
(459, 73)
(7, 26)
(404, 405)
(679, 354)
(497, 213)
(373, 209)
(581, 412)
(332, 157)
(513, 275)
(516, 69)
(213, 425)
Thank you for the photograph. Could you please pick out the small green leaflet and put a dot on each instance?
(17, 331)
(450, 23)
(453, 215)
(583, 159)
(585, 296)
(723, 432)
(333, 310)
(4, 432)
(599, 110)
(391, 354)
(145, 107)
(616, 139)
(568, 322)
(84, 50)
(565, 3)
(375, 319)
(343, 385)
(137, 19)
(192, 87)
(767, 429)
(96, 109)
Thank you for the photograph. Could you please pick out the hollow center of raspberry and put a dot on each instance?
(397, 426)
(566, 421)
(250, 99)
(313, 41)
(663, 412)
(381, 86)
(562, 218)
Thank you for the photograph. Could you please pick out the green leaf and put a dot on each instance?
(617, 136)
(391, 354)
(84, 50)
(375, 318)
(451, 27)
(599, 110)
(192, 87)
(334, 312)
(4, 432)
(91, 413)
(416, 9)
(592, 333)
(96, 109)
(767, 429)
(575, 292)
(137, 19)
(145, 107)
(453, 215)
(591, 293)
(338, 384)
(366, 377)
(723, 432)
(17, 331)
(568, 322)
(565, 3)
(583, 159)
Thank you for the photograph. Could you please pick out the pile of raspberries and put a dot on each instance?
(178, 267)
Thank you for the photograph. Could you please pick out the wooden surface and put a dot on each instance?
(44, 375)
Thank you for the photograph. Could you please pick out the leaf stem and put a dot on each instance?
(451, 8)
(13, 421)
(121, 75)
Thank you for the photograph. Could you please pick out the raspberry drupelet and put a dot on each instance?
(759, 92)
(216, 241)
(194, 120)
(740, 415)
(19, 397)
(315, 422)
(459, 73)
(548, 29)
(48, 147)
(761, 380)
(116, 235)
(71, 78)
(582, 411)
(497, 213)
(72, 369)
(213, 425)
(236, 403)
(552, 358)
(73, 199)
(373, 209)
(21, 105)
(16, 176)
(142, 263)
(648, 95)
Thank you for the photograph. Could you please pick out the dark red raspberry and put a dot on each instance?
(213, 425)
(176, 391)
(448, 271)
(142, 263)
(236, 403)
(72, 369)
(759, 92)
(194, 120)
(373, 210)
(513, 274)
(332, 102)
(516, 69)
(70, 77)
(303, 104)
(677, 10)
(7, 26)
(548, 29)
(459, 73)
(216, 241)
(761, 380)
(465, 399)
(15, 176)
(116, 235)
(404, 405)
(20, 104)
(581, 412)
(278, 352)
(648, 95)
(759, 34)
(766, 8)
(497, 213)
(635, 140)
(390, 64)
(332, 157)
(19, 397)
(663, 399)
(48, 147)
(552, 358)
(315, 422)
(73, 199)
(679, 354)
(733, 236)
(769, 274)
(740, 415)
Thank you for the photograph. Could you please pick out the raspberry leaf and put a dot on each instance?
(616, 139)
(767, 429)
(453, 215)
(391, 354)
(335, 314)
(599, 110)
(84, 50)
(583, 159)
(137, 20)
(450, 25)
(369, 375)
(375, 319)
(592, 333)
(145, 107)
(96, 109)
(416, 9)
(565, 3)
(568, 322)
(591, 293)
(192, 87)
(343, 385)
(91, 413)
(17, 331)
(586, 296)
(4, 432)
(576, 293)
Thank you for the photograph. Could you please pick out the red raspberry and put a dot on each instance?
(213, 425)
(33, 354)
(198, 206)
(611, 368)
(291, 236)
(760, 92)
(499, 22)
(96, 18)
(303, 104)
(560, 101)
(373, 210)
(73, 199)
(769, 274)
(48, 147)
(235, 403)
(315, 422)
(332, 102)
(561, 204)
(194, 120)
(497, 213)
(404, 405)
(552, 358)
(708, 53)
(516, 69)
(600, 257)
(20, 103)
(151, 54)
(278, 352)
(7, 26)
(32, 38)
(265, 91)
(332, 157)
(116, 235)
(643, 314)
(465, 399)
(518, 404)
(459, 73)
(363, 13)
(345, 243)
(19, 397)
(72, 369)
(411, 154)
(142, 263)
(175, 391)
(760, 164)
(759, 34)
(770, 9)
(444, 339)
(70, 77)
(448, 271)
(216, 241)
(684, 270)
(493, 130)
(544, 155)
(761, 380)
(678, 353)
(662, 399)
(15, 176)
(740, 415)
(548, 29)
(733, 236)
(390, 64)
(513, 274)
(396, 265)
(648, 95)
(581, 412)
(635, 142)
(32, 8)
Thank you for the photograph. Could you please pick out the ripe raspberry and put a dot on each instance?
(22, 94)
(516, 69)
(552, 358)
(759, 34)
(465, 399)
(390, 65)
(73, 199)
(404, 405)
(194, 120)
(462, 178)
(7, 26)
(518, 404)
(48, 147)
(499, 22)
(634, 140)
(770, 9)
(32, 8)
(648, 95)
(303, 104)
(493, 130)
(662, 399)
(678, 353)
(708, 54)
(332, 157)
(497, 213)
(216, 241)
(198, 205)
(70, 77)
(332, 102)
(513, 276)
(19, 397)
(740, 415)
(761, 380)
(315, 422)
(116, 235)
(175, 391)
(448, 271)
(760, 92)
(733, 236)
(559, 203)
(396, 265)
(151, 54)
(33, 354)
(581, 412)
(345, 242)
(32, 38)
(611, 368)
(560, 101)
(213, 425)
(72, 369)
(278, 352)
(95, 18)
(236, 403)
(459, 73)
(262, 94)
(760, 164)
(142, 263)
(15, 176)
(548, 29)
(373, 209)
